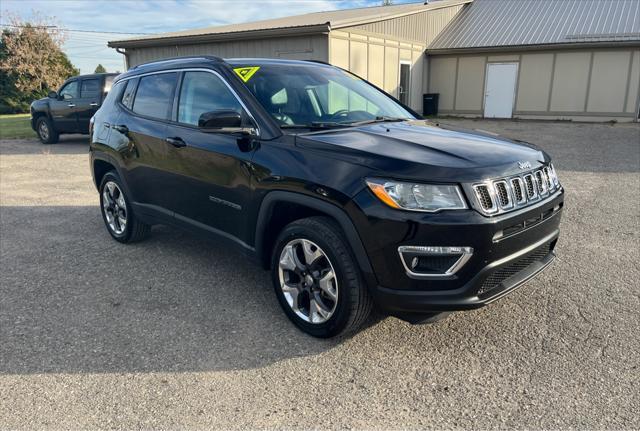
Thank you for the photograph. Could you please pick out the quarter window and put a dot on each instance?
(155, 95)
(112, 95)
(127, 97)
(204, 92)
(69, 91)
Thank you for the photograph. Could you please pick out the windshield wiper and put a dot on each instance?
(376, 120)
(314, 125)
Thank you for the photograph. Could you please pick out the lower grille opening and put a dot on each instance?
(496, 278)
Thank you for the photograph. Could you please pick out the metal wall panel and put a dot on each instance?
(378, 60)
(633, 94)
(420, 27)
(570, 81)
(469, 94)
(442, 79)
(375, 70)
(588, 85)
(294, 47)
(391, 69)
(535, 82)
(608, 83)
(358, 61)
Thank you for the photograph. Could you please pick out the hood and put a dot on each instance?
(421, 150)
(40, 102)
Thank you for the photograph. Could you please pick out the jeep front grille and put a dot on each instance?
(505, 194)
(518, 190)
(484, 197)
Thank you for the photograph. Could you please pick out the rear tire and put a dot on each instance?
(317, 280)
(117, 213)
(46, 133)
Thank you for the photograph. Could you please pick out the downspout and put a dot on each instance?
(125, 58)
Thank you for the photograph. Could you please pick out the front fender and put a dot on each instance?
(338, 214)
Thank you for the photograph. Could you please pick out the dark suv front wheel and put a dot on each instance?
(316, 279)
(118, 216)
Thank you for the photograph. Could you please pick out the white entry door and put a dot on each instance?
(500, 90)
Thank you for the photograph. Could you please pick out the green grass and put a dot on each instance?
(16, 126)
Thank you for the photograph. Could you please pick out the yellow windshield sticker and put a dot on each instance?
(245, 73)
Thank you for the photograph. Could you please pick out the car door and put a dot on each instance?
(63, 108)
(88, 101)
(211, 170)
(146, 108)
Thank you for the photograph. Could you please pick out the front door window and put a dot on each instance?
(69, 91)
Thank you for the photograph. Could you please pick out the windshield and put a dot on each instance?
(300, 95)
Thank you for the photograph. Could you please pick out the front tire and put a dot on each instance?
(317, 280)
(46, 133)
(117, 213)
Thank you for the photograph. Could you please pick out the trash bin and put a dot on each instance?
(430, 104)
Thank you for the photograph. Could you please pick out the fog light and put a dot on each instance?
(433, 261)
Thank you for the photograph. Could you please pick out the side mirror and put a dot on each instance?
(220, 120)
(53, 95)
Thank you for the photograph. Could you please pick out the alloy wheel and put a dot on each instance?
(114, 207)
(43, 129)
(308, 281)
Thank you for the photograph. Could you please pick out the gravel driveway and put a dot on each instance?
(177, 332)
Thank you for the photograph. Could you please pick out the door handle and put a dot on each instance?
(71, 105)
(176, 142)
(121, 128)
(93, 104)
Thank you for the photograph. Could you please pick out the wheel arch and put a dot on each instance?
(101, 163)
(37, 114)
(279, 208)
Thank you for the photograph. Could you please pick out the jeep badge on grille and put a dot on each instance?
(524, 165)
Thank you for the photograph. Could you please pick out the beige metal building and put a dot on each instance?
(557, 59)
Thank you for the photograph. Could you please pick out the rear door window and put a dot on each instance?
(90, 88)
(154, 97)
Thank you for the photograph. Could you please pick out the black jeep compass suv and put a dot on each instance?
(344, 193)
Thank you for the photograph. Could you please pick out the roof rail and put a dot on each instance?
(172, 59)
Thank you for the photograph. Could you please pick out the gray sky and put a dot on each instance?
(87, 49)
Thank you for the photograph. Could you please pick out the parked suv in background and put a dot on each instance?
(69, 109)
(345, 194)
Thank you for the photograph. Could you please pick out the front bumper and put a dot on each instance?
(508, 250)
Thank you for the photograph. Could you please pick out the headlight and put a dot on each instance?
(418, 197)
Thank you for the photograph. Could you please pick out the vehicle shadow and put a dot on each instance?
(73, 300)
(68, 144)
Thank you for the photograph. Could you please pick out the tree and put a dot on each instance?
(31, 62)
(100, 69)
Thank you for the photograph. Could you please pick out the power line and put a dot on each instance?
(68, 29)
